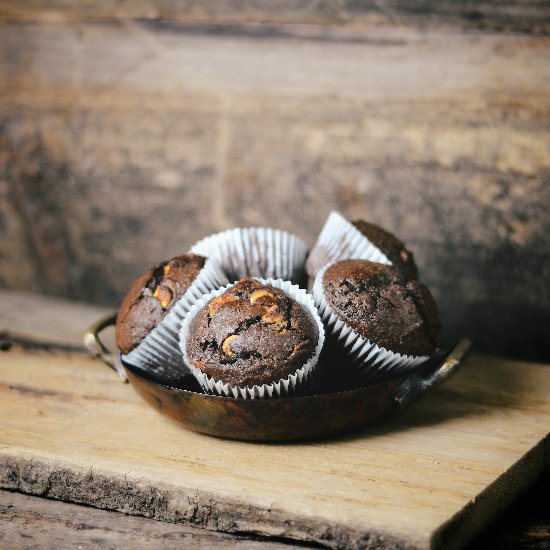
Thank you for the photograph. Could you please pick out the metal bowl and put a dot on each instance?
(285, 419)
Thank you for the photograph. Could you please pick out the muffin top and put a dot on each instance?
(252, 334)
(389, 244)
(151, 297)
(383, 305)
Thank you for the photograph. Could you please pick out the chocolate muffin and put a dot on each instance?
(252, 334)
(383, 305)
(390, 245)
(151, 297)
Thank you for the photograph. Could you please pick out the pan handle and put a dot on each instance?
(98, 349)
(419, 383)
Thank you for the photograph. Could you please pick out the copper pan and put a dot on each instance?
(291, 418)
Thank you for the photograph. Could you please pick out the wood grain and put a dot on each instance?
(525, 525)
(41, 524)
(124, 142)
(71, 430)
(523, 15)
(46, 319)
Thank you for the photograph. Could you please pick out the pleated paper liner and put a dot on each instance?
(256, 252)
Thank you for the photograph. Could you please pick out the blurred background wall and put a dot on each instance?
(129, 130)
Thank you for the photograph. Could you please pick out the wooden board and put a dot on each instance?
(50, 320)
(40, 524)
(433, 476)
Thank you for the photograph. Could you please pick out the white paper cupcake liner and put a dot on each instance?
(341, 240)
(256, 252)
(365, 359)
(159, 351)
(220, 247)
(296, 384)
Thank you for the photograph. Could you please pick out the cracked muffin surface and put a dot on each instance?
(151, 297)
(389, 244)
(383, 305)
(252, 334)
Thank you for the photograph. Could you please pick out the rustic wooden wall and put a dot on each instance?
(130, 130)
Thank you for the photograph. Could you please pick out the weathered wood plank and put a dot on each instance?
(39, 382)
(46, 319)
(37, 523)
(525, 525)
(381, 65)
(123, 144)
(523, 15)
(71, 430)
(33, 522)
